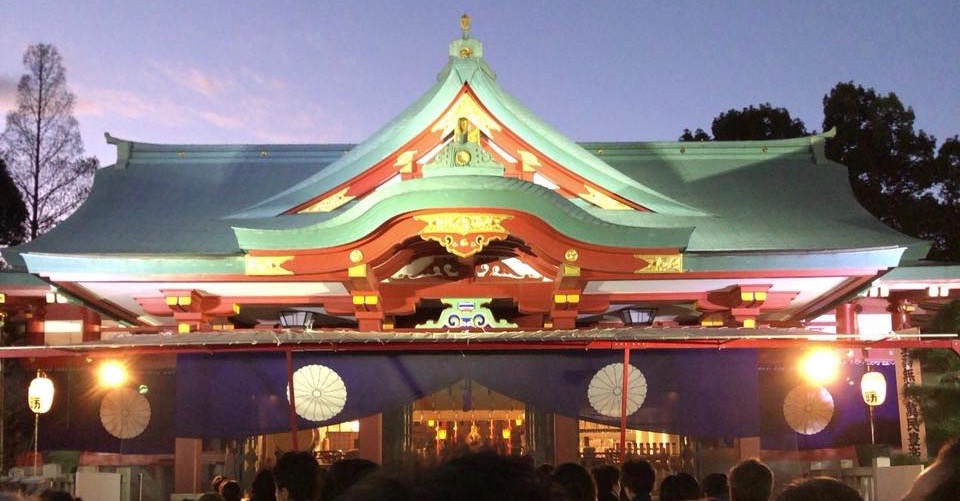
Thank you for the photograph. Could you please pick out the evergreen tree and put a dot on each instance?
(939, 392)
(41, 143)
(13, 212)
(760, 122)
(893, 167)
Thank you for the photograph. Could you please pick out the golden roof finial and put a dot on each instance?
(465, 25)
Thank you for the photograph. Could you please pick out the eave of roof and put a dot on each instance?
(639, 338)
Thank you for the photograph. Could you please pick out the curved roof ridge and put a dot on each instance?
(490, 192)
(576, 155)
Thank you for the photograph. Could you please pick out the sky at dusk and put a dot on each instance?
(334, 72)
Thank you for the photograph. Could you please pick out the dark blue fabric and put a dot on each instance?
(850, 423)
(690, 392)
(73, 423)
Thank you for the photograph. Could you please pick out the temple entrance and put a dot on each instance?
(467, 416)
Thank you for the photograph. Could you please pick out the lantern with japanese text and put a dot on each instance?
(873, 387)
(40, 394)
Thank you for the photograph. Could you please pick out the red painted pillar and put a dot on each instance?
(900, 315)
(186, 465)
(847, 319)
(35, 320)
(91, 325)
(293, 402)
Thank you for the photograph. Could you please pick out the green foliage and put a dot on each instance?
(13, 212)
(754, 123)
(698, 135)
(939, 393)
(895, 170)
(750, 123)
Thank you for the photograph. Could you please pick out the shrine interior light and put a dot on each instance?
(820, 366)
(112, 374)
(638, 317)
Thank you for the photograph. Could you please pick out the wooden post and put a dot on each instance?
(186, 472)
(623, 405)
(293, 402)
(91, 325)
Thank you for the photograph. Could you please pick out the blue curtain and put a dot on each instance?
(689, 392)
(849, 425)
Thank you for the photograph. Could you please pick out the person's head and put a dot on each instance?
(571, 482)
(637, 476)
(687, 486)
(668, 488)
(263, 487)
(941, 481)
(231, 491)
(210, 496)
(377, 487)
(819, 489)
(215, 482)
(56, 496)
(296, 476)
(750, 480)
(715, 486)
(344, 473)
(607, 478)
(481, 476)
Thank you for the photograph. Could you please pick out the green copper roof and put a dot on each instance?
(197, 207)
(481, 192)
(420, 115)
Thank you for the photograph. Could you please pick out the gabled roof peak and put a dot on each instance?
(465, 47)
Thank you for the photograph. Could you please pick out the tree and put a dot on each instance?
(13, 212)
(698, 135)
(41, 143)
(752, 123)
(894, 170)
(939, 393)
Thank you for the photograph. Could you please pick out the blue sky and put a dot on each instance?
(307, 72)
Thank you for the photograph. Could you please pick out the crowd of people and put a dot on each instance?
(487, 476)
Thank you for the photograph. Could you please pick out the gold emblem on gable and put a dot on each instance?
(660, 263)
(265, 265)
(467, 108)
(463, 234)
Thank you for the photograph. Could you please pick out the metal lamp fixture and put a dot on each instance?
(297, 319)
(638, 316)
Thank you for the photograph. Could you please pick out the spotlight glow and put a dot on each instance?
(112, 374)
(820, 366)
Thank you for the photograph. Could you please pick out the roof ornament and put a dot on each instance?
(465, 25)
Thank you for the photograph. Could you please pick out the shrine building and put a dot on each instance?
(468, 274)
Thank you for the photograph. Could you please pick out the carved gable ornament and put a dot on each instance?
(463, 234)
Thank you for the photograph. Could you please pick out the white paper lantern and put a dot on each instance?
(873, 387)
(40, 394)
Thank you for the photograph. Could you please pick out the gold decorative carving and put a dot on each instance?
(356, 255)
(462, 157)
(463, 234)
(405, 161)
(332, 202)
(465, 107)
(266, 265)
(601, 200)
(660, 263)
(571, 255)
(528, 161)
